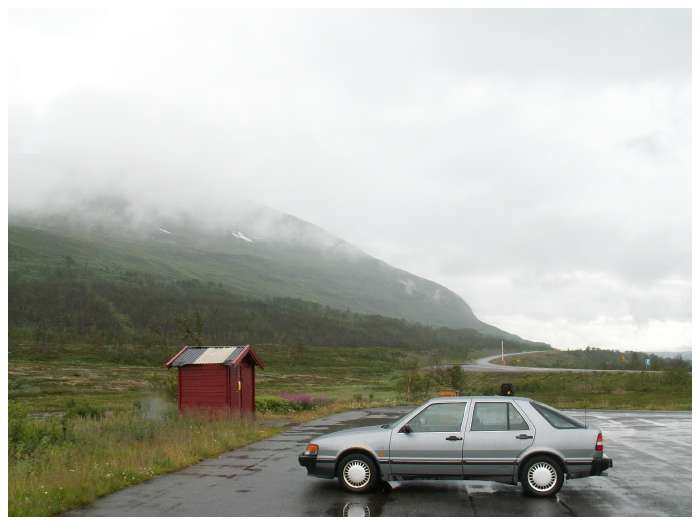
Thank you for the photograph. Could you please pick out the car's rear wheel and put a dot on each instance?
(357, 473)
(542, 476)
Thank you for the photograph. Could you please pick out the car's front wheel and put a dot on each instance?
(542, 476)
(357, 473)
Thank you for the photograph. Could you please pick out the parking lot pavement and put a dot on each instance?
(651, 477)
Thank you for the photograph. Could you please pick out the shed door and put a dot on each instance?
(247, 386)
(235, 391)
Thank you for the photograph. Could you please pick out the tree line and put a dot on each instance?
(71, 304)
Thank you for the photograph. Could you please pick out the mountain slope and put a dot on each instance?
(255, 252)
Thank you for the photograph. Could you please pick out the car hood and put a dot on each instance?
(374, 429)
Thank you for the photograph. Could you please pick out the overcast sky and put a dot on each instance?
(535, 162)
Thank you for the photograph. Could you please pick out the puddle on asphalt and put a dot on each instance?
(356, 508)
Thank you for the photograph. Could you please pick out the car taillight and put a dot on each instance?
(311, 449)
(599, 442)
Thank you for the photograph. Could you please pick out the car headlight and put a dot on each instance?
(311, 449)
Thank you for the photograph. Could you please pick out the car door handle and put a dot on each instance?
(523, 436)
(453, 438)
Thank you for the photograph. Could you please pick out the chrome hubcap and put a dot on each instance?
(542, 476)
(356, 473)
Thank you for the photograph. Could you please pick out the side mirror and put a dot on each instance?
(406, 429)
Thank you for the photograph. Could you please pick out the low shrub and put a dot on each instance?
(135, 427)
(677, 377)
(26, 434)
(305, 401)
(276, 405)
(165, 384)
(83, 409)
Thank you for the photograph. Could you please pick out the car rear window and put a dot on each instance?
(556, 418)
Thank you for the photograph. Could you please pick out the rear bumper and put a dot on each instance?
(317, 467)
(600, 465)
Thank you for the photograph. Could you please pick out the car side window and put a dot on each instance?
(497, 416)
(439, 417)
(490, 416)
(515, 420)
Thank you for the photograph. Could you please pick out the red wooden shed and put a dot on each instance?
(220, 378)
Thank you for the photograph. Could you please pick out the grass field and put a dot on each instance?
(80, 429)
(44, 381)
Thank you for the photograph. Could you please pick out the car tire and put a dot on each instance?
(358, 473)
(542, 476)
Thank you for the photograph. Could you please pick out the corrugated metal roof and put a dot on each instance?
(203, 355)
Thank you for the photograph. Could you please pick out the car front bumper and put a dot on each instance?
(600, 465)
(320, 468)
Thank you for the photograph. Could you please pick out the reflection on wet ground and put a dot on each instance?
(439, 498)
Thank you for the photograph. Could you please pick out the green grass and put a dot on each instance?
(639, 391)
(338, 373)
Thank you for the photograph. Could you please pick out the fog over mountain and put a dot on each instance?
(251, 250)
(535, 162)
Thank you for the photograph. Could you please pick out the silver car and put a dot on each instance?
(508, 439)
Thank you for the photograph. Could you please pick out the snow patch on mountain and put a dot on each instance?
(241, 236)
(408, 285)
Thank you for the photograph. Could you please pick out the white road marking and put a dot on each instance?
(650, 422)
(607, 420)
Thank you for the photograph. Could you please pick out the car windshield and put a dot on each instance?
(392, 424)
(556, 418)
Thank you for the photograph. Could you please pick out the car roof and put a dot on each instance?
(478, 398)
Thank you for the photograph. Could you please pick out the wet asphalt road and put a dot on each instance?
(485, 364)
(651, 477)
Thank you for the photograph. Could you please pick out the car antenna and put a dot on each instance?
(585, 405)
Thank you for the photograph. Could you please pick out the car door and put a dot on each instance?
(497, 433)
(430, 443)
